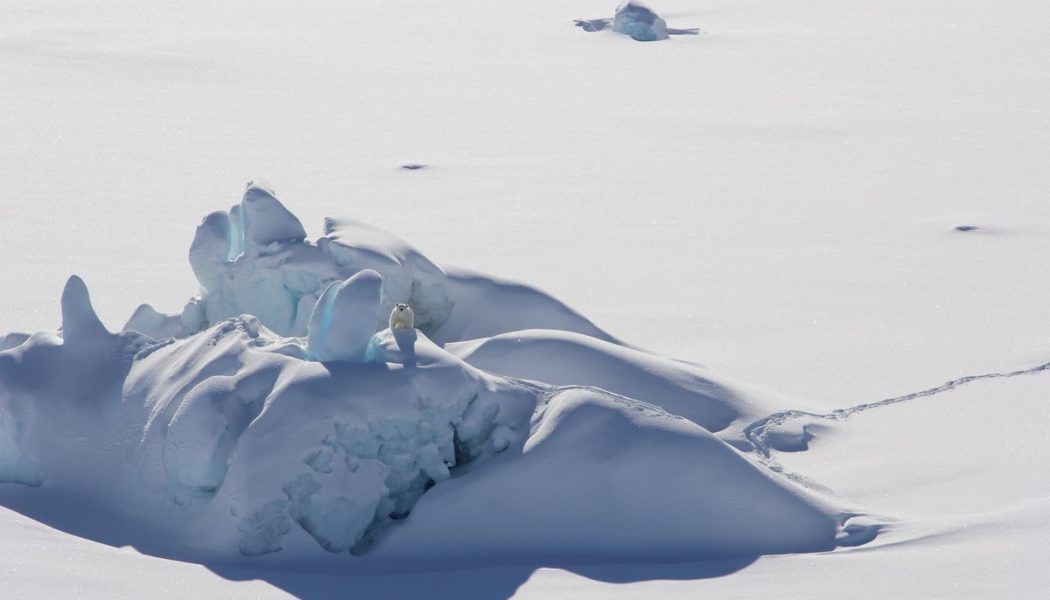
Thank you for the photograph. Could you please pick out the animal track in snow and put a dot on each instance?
(765, 434)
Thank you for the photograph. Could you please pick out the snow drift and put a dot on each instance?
(278, 413)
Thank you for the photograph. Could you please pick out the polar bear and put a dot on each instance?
(402, 317)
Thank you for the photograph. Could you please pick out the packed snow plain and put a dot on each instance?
(777, 198)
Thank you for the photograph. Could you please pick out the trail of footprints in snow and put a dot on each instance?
(757, 432)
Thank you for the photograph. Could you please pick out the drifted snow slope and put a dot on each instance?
(603, 479)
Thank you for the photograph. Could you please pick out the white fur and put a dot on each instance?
(402, 317)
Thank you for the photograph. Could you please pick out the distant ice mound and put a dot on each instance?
(637, 21)
(279, 414)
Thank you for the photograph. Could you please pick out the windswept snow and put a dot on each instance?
(680, 388)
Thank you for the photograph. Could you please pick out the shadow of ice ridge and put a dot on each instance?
(488, 583)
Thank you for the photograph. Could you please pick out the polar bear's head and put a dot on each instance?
(402, 317)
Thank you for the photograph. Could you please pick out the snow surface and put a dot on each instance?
(789, 186)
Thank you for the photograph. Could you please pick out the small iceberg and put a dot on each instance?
(637, 21)
(640, 22)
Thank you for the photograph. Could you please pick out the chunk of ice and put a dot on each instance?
(266, 220)
(210, 250)
(344, 319)
(640, 22)
(79, 321)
